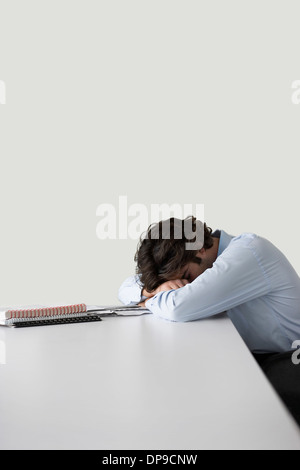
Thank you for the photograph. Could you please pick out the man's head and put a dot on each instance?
(161, 258)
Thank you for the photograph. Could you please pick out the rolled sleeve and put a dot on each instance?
(130, 291)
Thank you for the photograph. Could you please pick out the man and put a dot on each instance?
(246, 276)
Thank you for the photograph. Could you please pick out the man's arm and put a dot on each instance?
(132, 291)
(164, 287)
(236, 277)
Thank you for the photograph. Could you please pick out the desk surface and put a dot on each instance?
(137, 383)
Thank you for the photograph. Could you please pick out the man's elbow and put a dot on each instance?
(123, 294)
(121, 297)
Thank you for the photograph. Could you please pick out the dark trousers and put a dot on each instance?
(285, 378)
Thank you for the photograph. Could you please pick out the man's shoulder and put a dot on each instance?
(227, 240)
(248, 240)
(246, 237)
(253, 242)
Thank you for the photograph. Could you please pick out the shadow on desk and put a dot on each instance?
(284, 375)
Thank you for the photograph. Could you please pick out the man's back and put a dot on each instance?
(270, 322)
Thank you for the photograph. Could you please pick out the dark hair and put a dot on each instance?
(159, 257)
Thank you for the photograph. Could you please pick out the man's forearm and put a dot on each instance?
(132, 291)
(165, 286)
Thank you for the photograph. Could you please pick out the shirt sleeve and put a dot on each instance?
(130, 291)
(236, 277)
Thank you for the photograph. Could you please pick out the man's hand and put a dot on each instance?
(165, 286)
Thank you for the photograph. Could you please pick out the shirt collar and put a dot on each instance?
(225, 239)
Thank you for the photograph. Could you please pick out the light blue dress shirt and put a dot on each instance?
(251, 280)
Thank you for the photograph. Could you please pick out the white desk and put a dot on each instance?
(137, 383)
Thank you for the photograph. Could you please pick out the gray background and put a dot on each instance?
(162, 101)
